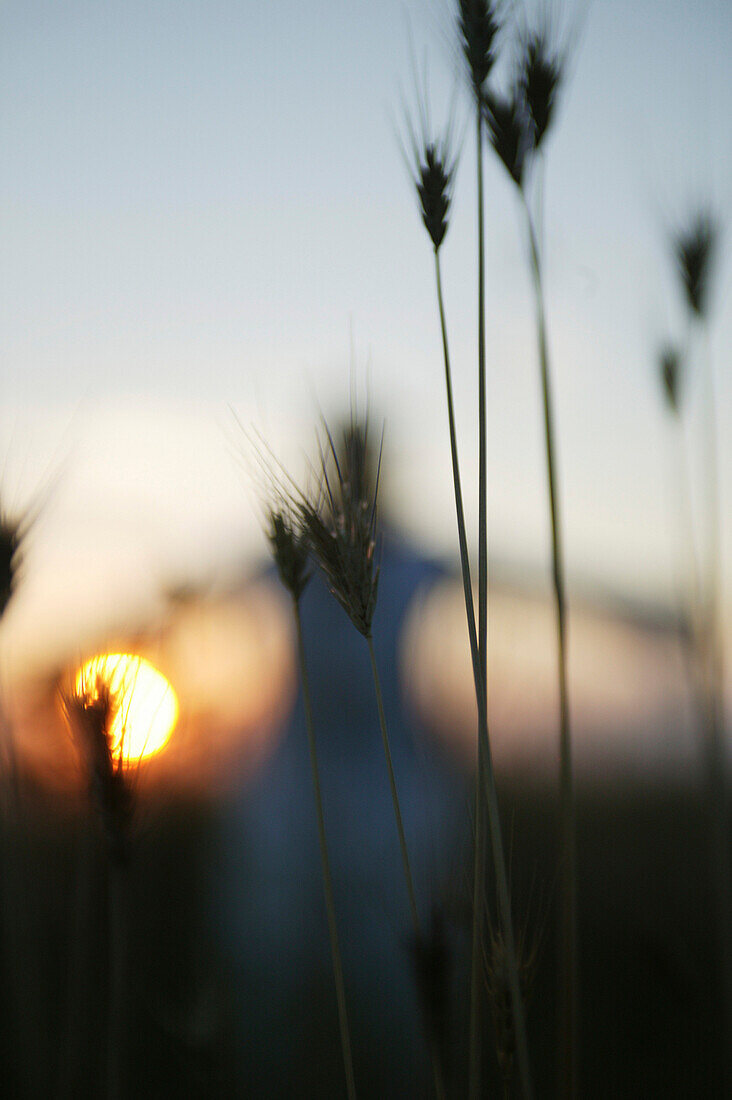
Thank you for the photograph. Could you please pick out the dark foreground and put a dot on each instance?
(212, 1010)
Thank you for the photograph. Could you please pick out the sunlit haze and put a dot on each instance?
(205, 209)
(282, 813)
(144, 705)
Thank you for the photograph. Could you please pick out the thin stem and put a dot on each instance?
(21, 990)
(479, 863)
(437, 1070)
(327, 880)
(713, 664)
(568, 968)
(392, 785)
(488, 775)
(9, 772)
(77, 977)
(117, 945)
(691, 603)
(479, 852)
(482, 454)
(702, 645)
(690, 597)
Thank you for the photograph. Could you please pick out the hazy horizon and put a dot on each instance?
(205, 208)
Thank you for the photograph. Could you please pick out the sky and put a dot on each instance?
(205, 212)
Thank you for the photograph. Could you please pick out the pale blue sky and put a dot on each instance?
(204, 204)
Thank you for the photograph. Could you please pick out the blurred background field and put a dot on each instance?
(209, 235)
(230, 985)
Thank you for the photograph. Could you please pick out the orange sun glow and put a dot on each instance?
(145, 705)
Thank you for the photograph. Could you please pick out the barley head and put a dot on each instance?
(341, 525)
(290, 549)
(10, 541)
(90, 715)
(670, 368)
(433, 187)
(695, 248)
(478, 27)
(508, 131)
(431, 163)
(540, 77)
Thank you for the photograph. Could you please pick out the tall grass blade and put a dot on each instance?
(568, 950)
(436, 1065)
(327, 879)
(487, 776)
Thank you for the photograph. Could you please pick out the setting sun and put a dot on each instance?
(145, 705)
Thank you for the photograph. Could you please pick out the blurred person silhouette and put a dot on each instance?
(272, 911)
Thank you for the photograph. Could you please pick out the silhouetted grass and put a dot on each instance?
(695, 248)
(342, 530)
(517, 126)
(90, 713)
(291, 553)
(651, 1005)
